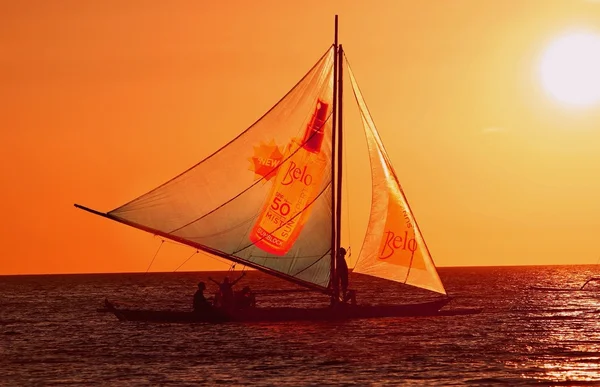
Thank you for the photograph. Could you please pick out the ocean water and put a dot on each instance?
(51, 334)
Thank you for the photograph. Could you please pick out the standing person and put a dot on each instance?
(226, 296)
(341, 269)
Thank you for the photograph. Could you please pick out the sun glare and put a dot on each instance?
(570, 69)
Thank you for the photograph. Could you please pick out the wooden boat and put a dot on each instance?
(282, 213)
(278, 314)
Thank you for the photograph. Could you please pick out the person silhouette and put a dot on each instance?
(245, 298)
(226, 296)
(341, 269)
(201, 304)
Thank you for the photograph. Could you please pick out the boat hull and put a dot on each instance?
(274, 314)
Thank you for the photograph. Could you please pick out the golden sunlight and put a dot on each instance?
(570, 69)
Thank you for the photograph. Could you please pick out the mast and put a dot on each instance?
(332, 274)
(340, 153)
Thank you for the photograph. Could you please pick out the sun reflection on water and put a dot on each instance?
(563, 340)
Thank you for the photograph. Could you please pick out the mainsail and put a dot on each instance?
(393, 247)
(264, 199)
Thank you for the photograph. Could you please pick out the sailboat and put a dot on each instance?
(271, 198)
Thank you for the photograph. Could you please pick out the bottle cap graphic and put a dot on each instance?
(313, 136)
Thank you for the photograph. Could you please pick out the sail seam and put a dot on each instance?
(219, 253)
(249, 187)
(319, 62)
(286, 223)
(354, 92)
(328, 252)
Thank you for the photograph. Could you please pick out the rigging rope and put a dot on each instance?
(223, 261)
(346, 179)
(184, 262)
(162, 242)
(155, 254)
(232, 267)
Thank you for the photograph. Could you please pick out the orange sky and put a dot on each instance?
(103, 101)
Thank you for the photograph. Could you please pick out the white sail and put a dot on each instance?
(394, 247)
(264, 199)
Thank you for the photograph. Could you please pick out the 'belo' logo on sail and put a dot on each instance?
(393, 242)
(296, 174)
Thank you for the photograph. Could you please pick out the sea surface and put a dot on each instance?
(52, 334)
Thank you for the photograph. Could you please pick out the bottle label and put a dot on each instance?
(295, 186)
(287, 206)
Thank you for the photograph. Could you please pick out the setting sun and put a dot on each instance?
(570, 69)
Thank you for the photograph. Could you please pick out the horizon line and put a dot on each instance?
(249, 269)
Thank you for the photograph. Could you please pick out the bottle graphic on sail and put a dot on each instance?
(295, 188)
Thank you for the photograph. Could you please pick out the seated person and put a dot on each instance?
(200, 302)
(350, 296)
(245, 298)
